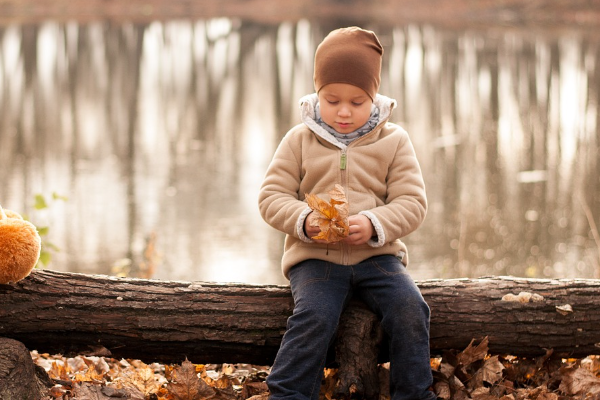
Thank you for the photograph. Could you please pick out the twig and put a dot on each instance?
(591, 222)
(461, 242)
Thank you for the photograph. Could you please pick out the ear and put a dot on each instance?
(4, 213)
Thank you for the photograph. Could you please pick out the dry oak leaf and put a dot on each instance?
(251, 389)
(187, 385)
(332, 217)
(492, 370)
(142, 379)
(59, 371)
(474, 353)
(490, 373)
(88, 391)
(84, 390)
(90, 375)
(579, 381)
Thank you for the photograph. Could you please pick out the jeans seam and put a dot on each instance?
(388, 273)
(325, 278)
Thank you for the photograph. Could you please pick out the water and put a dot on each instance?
(159, 135)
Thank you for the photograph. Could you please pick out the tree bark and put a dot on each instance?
(20, 378)
(357, 349)
(167, 321)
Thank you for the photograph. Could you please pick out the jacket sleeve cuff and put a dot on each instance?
(379, 240)
(300, 226)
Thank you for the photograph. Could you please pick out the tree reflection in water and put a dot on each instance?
(165, 130)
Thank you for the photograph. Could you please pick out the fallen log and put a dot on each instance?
(167, 321)
(20, 378)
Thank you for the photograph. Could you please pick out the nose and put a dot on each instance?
(344, 111)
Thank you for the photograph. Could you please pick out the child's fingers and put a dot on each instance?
(356, 235)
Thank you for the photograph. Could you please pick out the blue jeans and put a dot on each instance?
(321, 290)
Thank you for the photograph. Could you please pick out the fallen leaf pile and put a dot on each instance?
(474, 374)
(332, 217)
(470, 374)
(101, 378)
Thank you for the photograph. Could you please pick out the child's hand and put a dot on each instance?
(361, 230)
(311, 231)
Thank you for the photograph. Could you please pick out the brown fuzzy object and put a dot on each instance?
(20, 246)
(349, 55)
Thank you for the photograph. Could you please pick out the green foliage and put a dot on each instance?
(41, 203)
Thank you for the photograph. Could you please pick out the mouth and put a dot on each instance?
(344, 125)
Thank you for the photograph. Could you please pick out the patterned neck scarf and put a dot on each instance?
(347, 138)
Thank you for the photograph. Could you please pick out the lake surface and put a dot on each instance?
(159, 134)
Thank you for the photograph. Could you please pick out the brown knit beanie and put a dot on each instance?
(349, 55)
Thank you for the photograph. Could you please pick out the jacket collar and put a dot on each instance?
(307, 114)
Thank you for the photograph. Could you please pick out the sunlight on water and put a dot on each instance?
(160, 134)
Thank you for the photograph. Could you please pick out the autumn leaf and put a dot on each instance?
(580, 381)
(223, 386)
(59, 371)
(163, 394)
(332, 217)
(145, 381)
(90, 375)
(547, 396)
(140, 380)
(254, 388)
(482, 393)
(57, 392)
(169, 372)
(492, 370)
(442, 389)
(187, 385)
(223, 382)
(474, 353)
(490, 373)
(87, 391)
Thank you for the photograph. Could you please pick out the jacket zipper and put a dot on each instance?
(343, 164)
(343, 160)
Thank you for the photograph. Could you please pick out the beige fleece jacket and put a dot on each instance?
(379, 172)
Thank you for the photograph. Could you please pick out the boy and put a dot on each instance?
(346, 139)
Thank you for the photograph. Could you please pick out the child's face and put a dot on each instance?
(344, 107)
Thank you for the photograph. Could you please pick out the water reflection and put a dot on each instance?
(159, 134)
